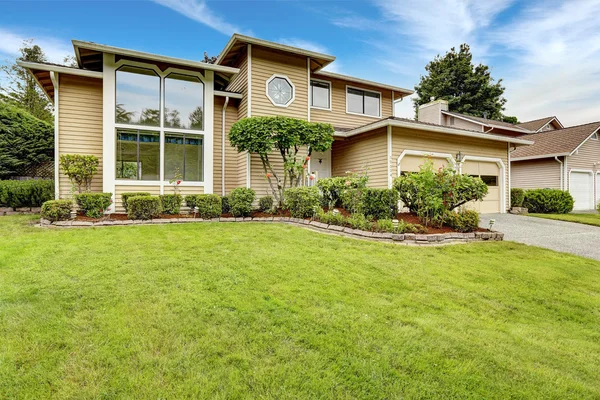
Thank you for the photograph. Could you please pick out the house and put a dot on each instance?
(542, 124)
(150, 117)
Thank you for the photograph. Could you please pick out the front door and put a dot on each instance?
(320, 164)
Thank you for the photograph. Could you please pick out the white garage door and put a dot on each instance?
(581, 186)
(489, 172)
(412, 163)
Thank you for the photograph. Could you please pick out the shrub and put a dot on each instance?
(143, 207)
(331, 218)
(225, 205)
(80, 169)
(240, 201)
(56, 210)
(379, 203)
(333, 188)
(548, 201)
(405, 227)
(517, 196)
(265, 204)
(302, 202)
(352, 200)
(384, 225)
(94, 204)
(170, 203)
(209, 205)
(29, 193)
(463, 220)
(127, 195)
(359, 221)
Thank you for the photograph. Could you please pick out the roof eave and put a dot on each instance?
(538, 157)
(59, 69)
(407, 92)
(489, 125)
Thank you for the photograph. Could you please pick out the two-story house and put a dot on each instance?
(149, 117)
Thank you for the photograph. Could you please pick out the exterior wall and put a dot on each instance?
(409, 139)
(119, 189)
(584, 158)
(265, 63)
(432, 112)
(231, 155)
(460, 123)
(79, 124)
(239, 84)
(535, 174)
(338, 116)
(258, 181)
(362, 152)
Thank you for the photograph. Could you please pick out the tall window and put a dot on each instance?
(363, 102)
(138, 96)
(320, 94)
(184, 155)
(138, 155)
(184, 102)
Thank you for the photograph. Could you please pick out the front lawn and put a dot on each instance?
(588, 219)
(216, 310)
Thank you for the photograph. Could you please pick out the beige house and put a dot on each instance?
(150, 117)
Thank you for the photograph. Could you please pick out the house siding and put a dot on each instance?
(535, 174)
(231, 154)
(239, 84)
(79, 124)
(461, 123)
(338, 116)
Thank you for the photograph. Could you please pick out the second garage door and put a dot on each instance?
(581, 187)
(489, 172)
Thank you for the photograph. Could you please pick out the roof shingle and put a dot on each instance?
(536, 124)
(560, 141)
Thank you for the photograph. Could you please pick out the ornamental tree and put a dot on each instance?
(80, 169)
(281, 139)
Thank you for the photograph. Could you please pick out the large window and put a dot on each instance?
(184, 102)
(138, 96)
(184, 156)
(138, 155)
(363, 102)
(320, 94)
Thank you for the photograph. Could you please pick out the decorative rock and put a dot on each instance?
(44, 221)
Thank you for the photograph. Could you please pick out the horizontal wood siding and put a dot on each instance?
(266, 63)
(585, 157)
(258, 180)
(366, 152)
(231, 156)
(535, 174)
(79, 124)
(239, 84)
(460, 123)
(119, 189)
(338, 116)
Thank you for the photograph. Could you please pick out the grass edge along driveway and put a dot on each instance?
(580, 218)
(274, 311)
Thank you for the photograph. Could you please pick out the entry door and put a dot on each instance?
(320, 164)
(581, 188)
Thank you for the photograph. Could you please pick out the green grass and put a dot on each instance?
(588, 219)
(273, 311)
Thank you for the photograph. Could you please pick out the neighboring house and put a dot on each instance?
(147, 116)
(542, 124)
(566, 159)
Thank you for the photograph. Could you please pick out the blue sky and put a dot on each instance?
(547, 52)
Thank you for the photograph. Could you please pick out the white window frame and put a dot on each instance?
(206, 132)
(288, 81)
(330, 94)
(365, 90)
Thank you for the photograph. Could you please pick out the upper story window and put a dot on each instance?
(138, 96)
(184, 102)
(320, 94)
(280, 90)
(364, 102)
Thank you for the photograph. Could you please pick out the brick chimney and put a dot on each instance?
(432, 112)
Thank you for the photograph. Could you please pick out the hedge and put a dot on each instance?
(29, 193)
(127, 195)
(517, 196)
(303, 201)
(143, 207)
(463, 221)
(209, 205)
(376, 203)
(94, 204)
(56, 210)
(548, 201)
(170, 203)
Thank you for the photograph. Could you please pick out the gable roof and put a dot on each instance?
(490, 123)
(559, 142)
(537, 124)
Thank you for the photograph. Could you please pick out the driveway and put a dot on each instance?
(568, 237)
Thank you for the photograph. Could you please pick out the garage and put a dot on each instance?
(490, 173)
(581, 187)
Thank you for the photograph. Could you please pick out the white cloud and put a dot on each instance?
(198, 10)
(304, 44)
(55, 49)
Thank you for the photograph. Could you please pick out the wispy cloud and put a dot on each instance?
(199, 11)
(55, 49)
(304, 44)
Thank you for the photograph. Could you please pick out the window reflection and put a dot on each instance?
(184, 102)
(137, 96)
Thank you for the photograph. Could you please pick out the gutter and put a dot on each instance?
(540, 156)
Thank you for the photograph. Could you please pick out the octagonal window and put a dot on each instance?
(280, 90)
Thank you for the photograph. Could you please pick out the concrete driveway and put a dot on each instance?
(568, 237)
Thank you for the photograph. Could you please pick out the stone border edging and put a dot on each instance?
(19, 210)
(406, 238)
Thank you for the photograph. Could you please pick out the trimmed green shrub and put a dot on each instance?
(127, 195)
(80, 169)
(265, 204)
(548, 201)
(94, 204)
(376, 203)
(463, 220)
(302, 202)
(29, 193)
(56, 210)
(143, 207)
(209, 205)
(331, 218)
(225, 205)
(170, 203)
(359, 221)
(517, 196)
(240, 201)
(333, 188)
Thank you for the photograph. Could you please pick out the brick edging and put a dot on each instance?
(407, 238)
(19, 210)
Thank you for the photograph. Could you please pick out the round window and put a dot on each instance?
(280, 91)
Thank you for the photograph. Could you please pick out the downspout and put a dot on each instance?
(223, 146)
(55, 82)
(389, 155)
(561, 172)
